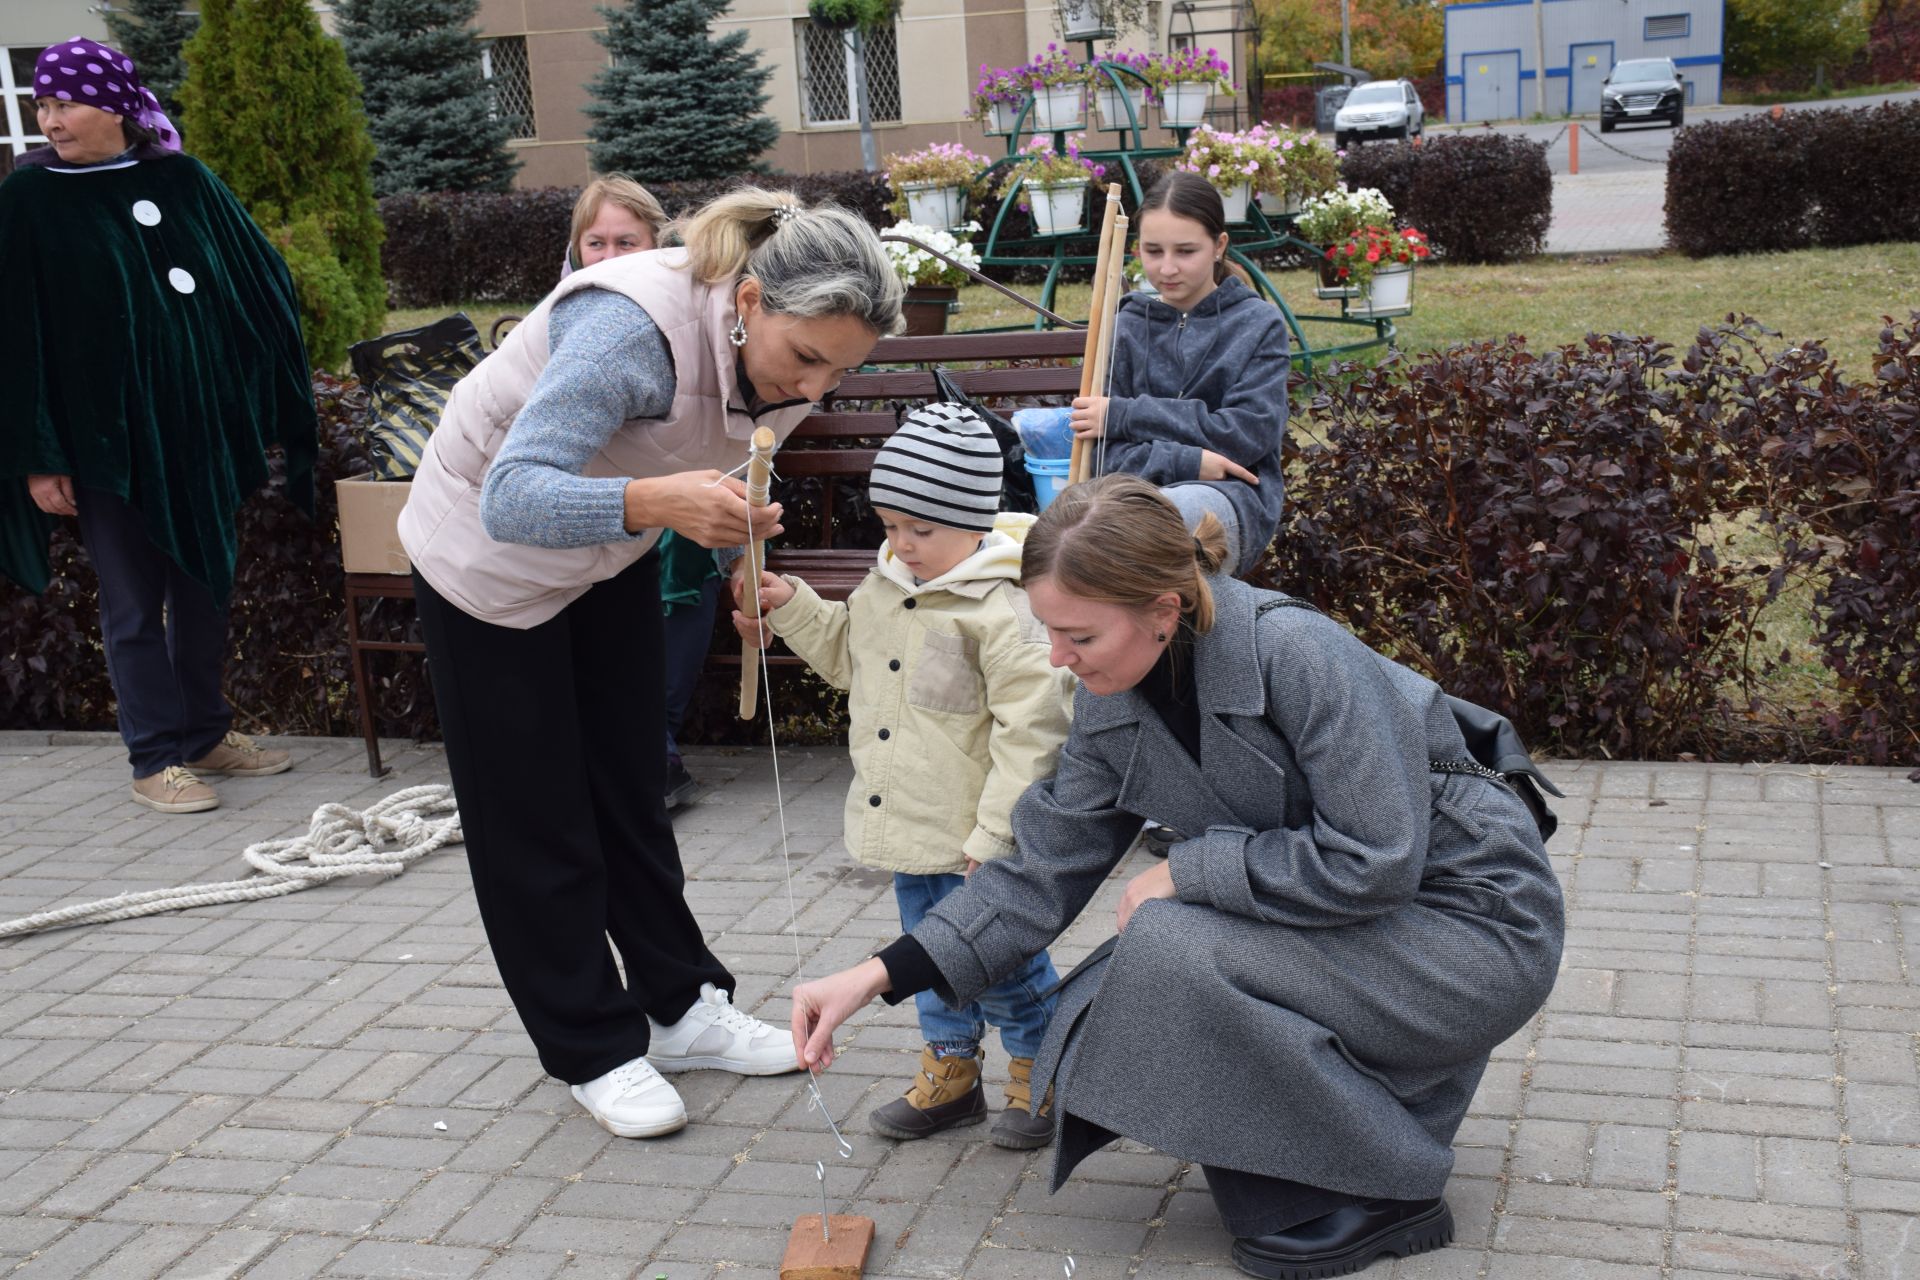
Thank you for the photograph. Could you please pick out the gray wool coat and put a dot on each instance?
(1352, 934)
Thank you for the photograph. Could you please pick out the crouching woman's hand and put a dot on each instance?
(820, 1006)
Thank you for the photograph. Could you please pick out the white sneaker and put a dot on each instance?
(715, 1034)
(632, 1101)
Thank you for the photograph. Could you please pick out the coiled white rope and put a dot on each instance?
(384, 840)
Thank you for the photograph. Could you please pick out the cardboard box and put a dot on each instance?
(370, 524)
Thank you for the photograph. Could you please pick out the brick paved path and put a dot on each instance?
(1724, 1083)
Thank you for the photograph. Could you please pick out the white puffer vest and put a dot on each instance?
(512, 585)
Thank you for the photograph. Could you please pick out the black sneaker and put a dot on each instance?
(681, 787)
(1157, 838)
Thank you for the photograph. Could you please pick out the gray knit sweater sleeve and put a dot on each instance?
(608, 363)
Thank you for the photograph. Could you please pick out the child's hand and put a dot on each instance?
(1089, 417)
(774, 590)
(972, 866)
(758, 634)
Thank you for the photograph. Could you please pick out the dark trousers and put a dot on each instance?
(1257, 1204)
(165, 637)
(689, 630)
(555, 738)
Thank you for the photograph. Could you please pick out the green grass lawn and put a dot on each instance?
(1836, 296)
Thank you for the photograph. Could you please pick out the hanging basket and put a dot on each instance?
(1058, 109)
(1235, 201)
(1330, 286)
(926, 308)
(1184, 105)
(1113, 111)
(1058, 207)
(932, 204)
(1001, 117)
(1389, 293)
(1082, 20)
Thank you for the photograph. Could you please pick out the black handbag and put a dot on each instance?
(1494, 745)
(1017, 493)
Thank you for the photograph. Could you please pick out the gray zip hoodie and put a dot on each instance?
(1214, 378)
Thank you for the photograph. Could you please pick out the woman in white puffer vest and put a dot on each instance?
(611, 413)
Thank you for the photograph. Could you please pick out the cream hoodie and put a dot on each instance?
(954, 708)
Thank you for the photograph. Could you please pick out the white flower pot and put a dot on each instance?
(933, 205)
(1080, 19)
(1235, 201)
(1184, 105)
(1002, 116)
(1113, 111)
(1390, 293)
(1060, 108)
(1058, 207)
(1275, 206)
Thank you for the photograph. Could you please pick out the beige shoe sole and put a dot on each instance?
(261, 771)
(178, 806)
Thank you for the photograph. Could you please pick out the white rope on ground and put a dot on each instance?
(385, 840)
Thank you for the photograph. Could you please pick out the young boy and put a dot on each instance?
(954, 710)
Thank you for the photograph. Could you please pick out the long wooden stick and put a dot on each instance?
(1096, 324)
(1102, 358)
(759, 475)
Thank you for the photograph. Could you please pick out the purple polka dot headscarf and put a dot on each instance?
(86, 71)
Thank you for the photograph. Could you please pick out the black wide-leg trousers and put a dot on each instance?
(556, 740)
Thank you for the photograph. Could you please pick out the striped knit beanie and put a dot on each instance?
(942, 465)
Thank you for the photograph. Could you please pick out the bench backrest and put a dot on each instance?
(834, 444)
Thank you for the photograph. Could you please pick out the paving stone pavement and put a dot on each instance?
(1609, 212)
(1724, 1083)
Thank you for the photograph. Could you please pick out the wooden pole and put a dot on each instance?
(1101, 358)
(1096, 323)
(759, 474)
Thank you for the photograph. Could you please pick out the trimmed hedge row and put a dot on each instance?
(1478, 198)
(1828, 177)
(508, 246)
(1542, 532)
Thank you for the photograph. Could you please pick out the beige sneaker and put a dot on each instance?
(239, 756)
(175, 790)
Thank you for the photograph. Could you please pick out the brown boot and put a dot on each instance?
(1019, 1126)
(946, 1093)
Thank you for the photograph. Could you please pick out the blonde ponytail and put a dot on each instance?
(810, 262)
(1118, 540)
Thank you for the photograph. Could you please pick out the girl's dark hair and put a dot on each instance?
(1188, 195)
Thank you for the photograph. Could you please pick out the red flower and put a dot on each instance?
(1373, 255)
(1341, 273)
(1331, 250)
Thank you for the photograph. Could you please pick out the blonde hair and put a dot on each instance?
(617, 189)
(1118, 540)
(810, 262)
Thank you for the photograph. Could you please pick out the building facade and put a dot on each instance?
(1491, 68)
(920, 73)
(541, 55)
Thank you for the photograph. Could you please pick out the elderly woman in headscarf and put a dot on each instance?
(150, 355)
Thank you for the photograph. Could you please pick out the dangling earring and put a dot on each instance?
(738, 334)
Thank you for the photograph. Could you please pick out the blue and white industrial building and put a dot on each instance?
(1491, 68)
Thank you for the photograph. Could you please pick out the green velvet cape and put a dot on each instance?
(111, 374)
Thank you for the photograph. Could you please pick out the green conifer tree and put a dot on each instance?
(152, 33)
(677, 103)
(429, 109)
(272, 108)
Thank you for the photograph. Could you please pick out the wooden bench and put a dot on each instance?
(835, 445)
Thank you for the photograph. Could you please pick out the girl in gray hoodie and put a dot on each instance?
(1198, 401)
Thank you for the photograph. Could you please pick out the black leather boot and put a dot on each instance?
(1346, 1240)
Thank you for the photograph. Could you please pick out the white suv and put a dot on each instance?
(1379, 109)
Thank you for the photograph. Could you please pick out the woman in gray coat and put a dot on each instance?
(1303, 997)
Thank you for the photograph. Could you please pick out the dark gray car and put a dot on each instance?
(1643, 91)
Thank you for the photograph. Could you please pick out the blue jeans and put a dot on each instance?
(1016, 1004)
(689, 630)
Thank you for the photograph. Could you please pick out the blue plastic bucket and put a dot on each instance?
(1049, 477)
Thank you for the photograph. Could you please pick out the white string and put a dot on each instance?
(724, 475)
(816, 1099)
